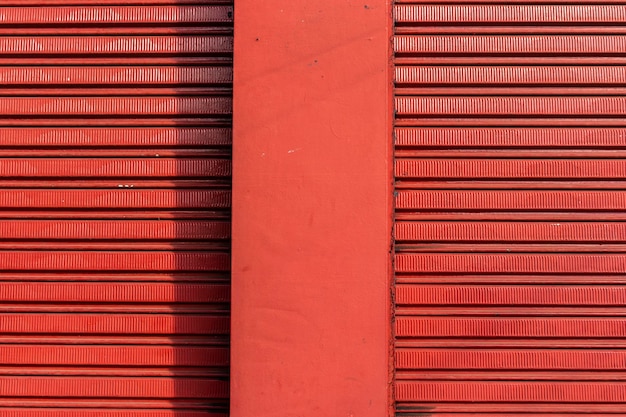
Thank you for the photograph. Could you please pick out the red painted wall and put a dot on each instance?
(311, 209)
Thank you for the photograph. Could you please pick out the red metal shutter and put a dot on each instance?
(510, 168)
(114, 210)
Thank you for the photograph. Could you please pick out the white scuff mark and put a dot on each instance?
(294, 150)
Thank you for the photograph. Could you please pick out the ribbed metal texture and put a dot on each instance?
(115, 207)
(510, 229)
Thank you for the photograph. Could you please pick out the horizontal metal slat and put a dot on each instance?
(468, 311)
(159, 76)
(142, 3)
(441, 184)
(112, 387)
(562, 232)
(114, 229)
(573, 408)
(118, 324)
(115, 15)
(69, 107)
(113, 261)
(131, 293)
(522, 327)
(511, 137)
(140, 355)
(184, 121)
(532, 169)
(158, 308)
(66, 340)
(114, 45)
(511, 376)
(176, 183)
(118, 214)
(80, 412)
(210, 372)
(114, 167)
(162, 308)
(409, 59)
(520, 184)
(526, 200)
(511, 343)
(118, 91)
(508, 122)
(100, 276)
(473, 91)
(113, 137)
(523, 279)
(510, 106)
(511, 215)
(511, 391)
(112, 30)
(214, 152)
(492, 296)
(568, 2)
(509, 30)
(522, 44)
(466, 153)
(511, 75)
(119, 60)
(501, 247)
(489, 14)
(108, 404)
(552, 263)
(115, 199)
(511, 409)
(524, 360)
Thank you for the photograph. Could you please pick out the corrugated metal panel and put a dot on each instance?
(510, 234)
(115, 168)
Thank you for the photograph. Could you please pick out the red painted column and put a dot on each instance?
(311, 209)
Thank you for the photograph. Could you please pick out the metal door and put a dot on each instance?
(114, 209)
(510, 167)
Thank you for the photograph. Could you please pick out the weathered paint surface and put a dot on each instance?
(311, 208)
(115, 169)
(510, 232)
